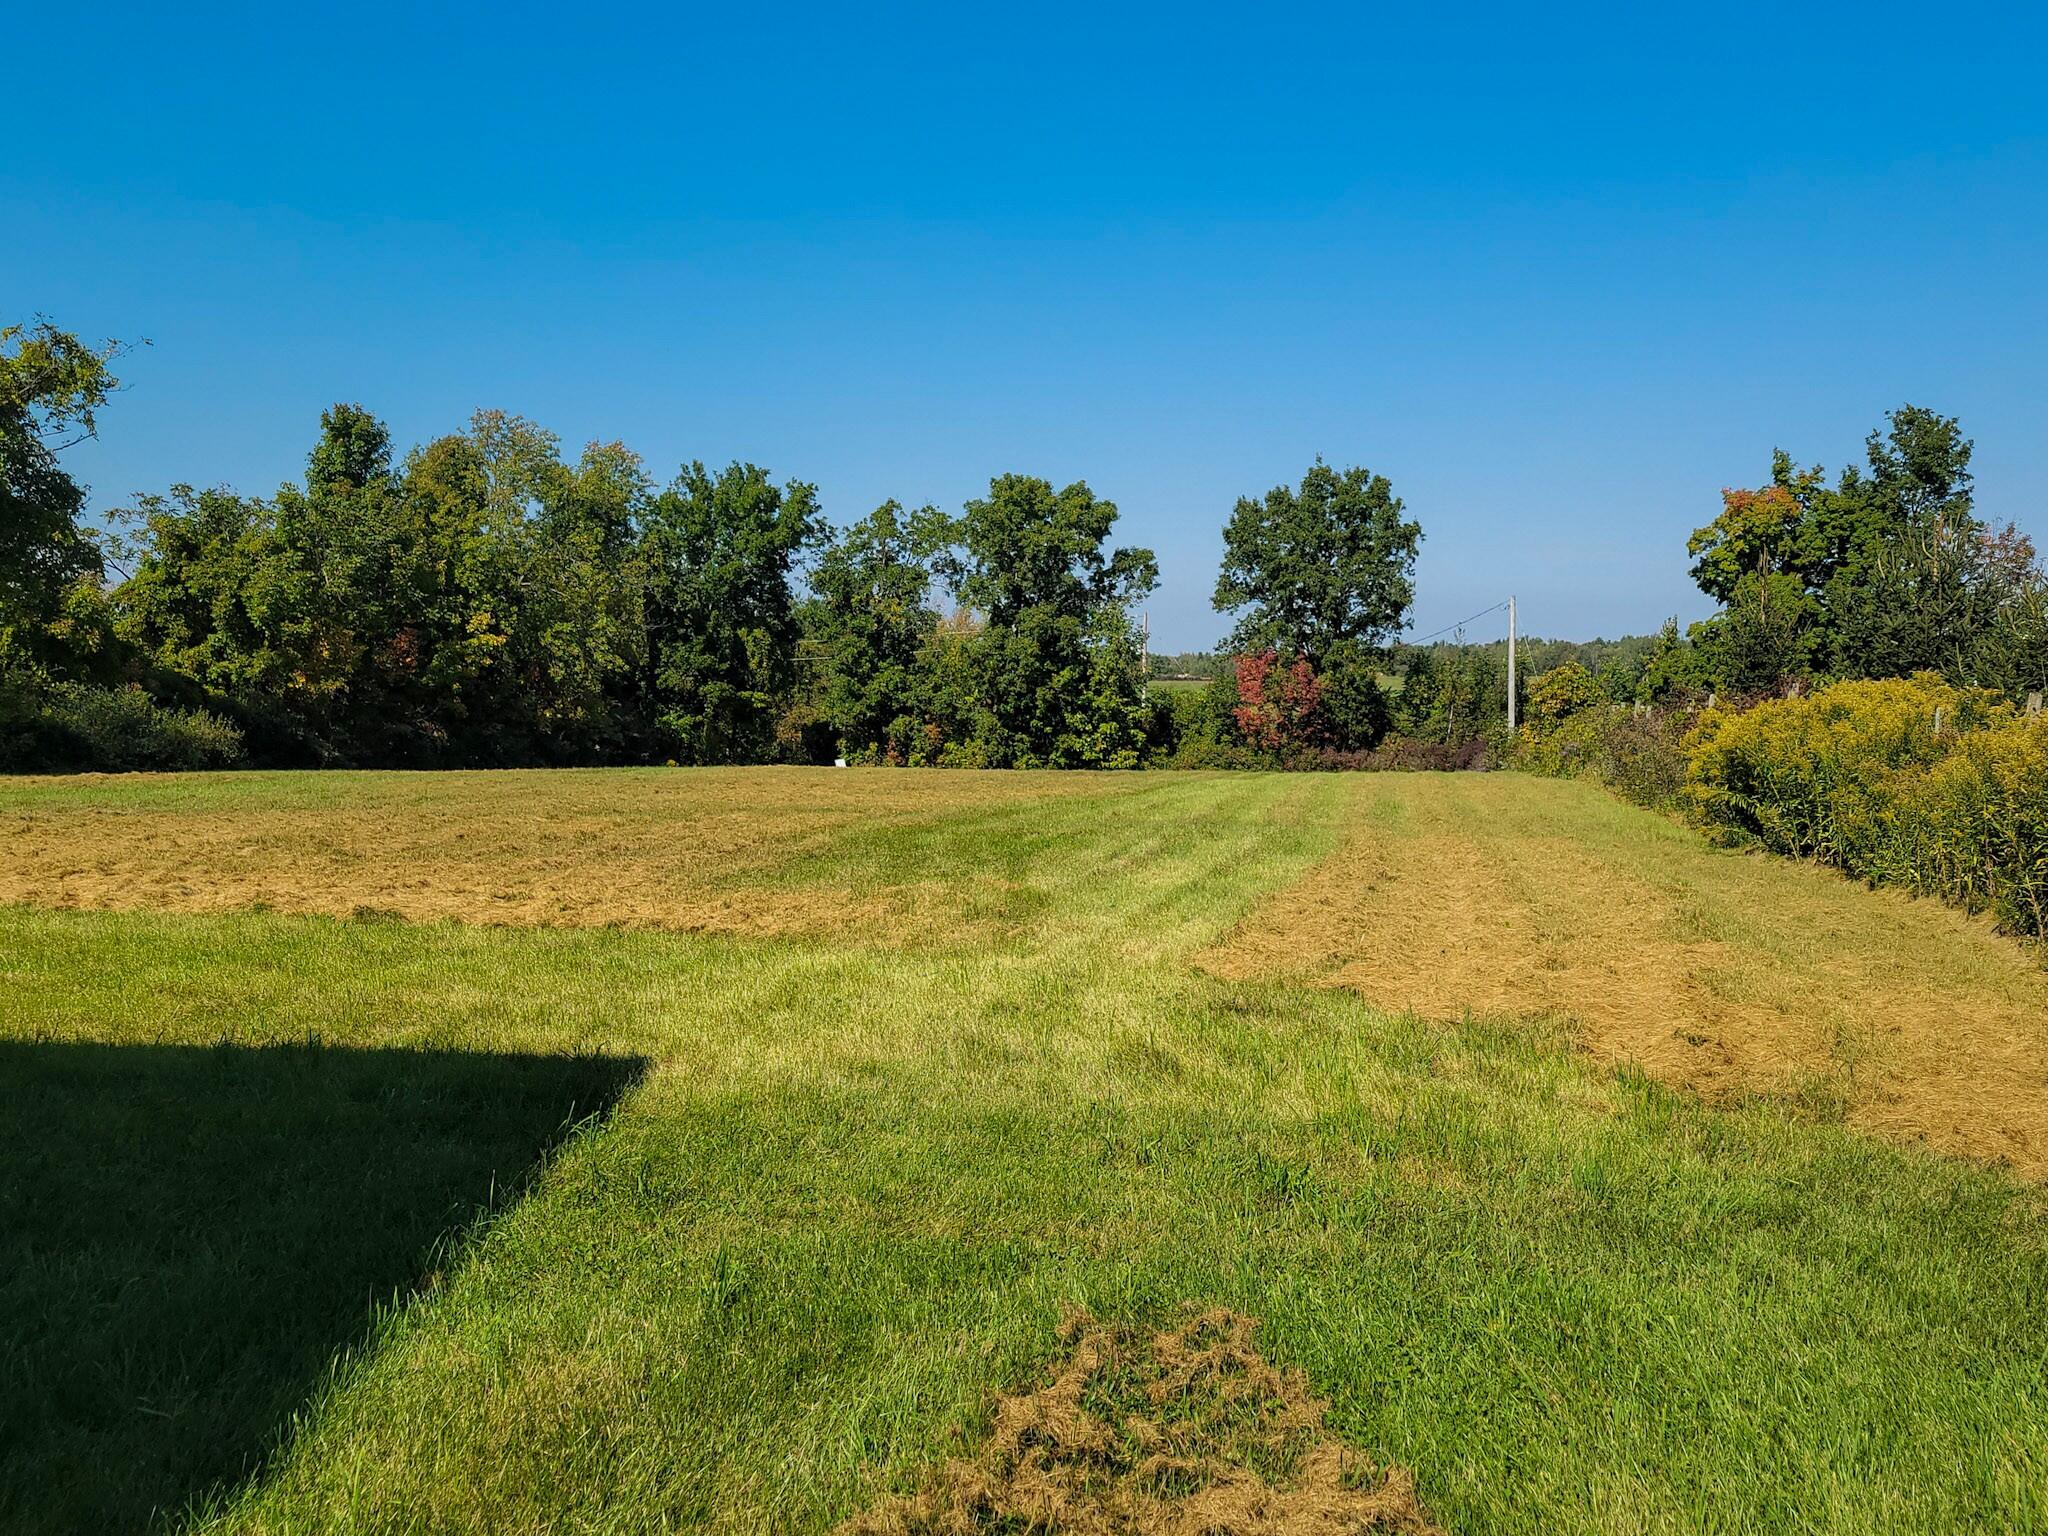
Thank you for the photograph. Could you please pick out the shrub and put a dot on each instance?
(1575, 730)
(1819, 776)
(72, 726)
(1407, 754)
(1909, 782)
(1642, 755)
(1985, 838)
(1563, 692)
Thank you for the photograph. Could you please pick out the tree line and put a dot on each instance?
(486, 599)
(1885, 570)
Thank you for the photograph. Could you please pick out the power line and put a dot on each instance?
(1482, 613)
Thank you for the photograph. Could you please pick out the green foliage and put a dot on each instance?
(354, 450)
(78, 727)
(481, 605)
(1451, 693)
(1673, 671)
(1561, 693)
(51, 387)
(1187, 664)
(1575, 729)
(869, 629)
(1204, 728)
(1325, 566)
(1885, 573)
(1908, 782)
(1055, 669)
(1273, 712)
(1758, 532)
(720, 620)
(1763, 637)
(1357, 714)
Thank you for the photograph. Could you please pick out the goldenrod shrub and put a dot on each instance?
(1906, 781)
(1986, 824)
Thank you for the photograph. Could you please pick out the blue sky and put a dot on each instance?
(1560, 274)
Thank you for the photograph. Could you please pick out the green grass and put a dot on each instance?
(844, 1193)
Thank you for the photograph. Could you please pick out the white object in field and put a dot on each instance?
(838, 762)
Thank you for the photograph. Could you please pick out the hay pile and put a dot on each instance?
(1191, 1433)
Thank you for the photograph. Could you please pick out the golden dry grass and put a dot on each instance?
(1723, 973)
(1195, 1435)
(683, 850)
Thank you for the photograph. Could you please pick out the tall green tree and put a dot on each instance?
(870, 629)
(562, 585)
(1899, 546)
(354, 450)
(1886, 572)
(1057, 668)
(51, 387)
(1324, 571)
(1326, 565)
(216, 598)
(1756, 559)
(719, 618)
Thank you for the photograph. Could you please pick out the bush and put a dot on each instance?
(1986, 844)
(1574, 730)
(1408, 754)
(1643, 756)
(1909, 782)
(1820, 776)
(72, 727)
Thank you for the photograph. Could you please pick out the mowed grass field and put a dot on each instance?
(664, 1150)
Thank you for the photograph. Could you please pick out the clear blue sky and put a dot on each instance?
(1560, 274)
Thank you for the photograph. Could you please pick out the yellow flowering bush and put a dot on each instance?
(1985, 820)
(1906, 781)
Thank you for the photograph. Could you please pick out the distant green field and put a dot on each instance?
(320, 1223)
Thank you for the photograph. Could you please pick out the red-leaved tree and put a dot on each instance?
(1278, 706)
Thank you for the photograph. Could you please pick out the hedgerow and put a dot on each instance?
(1907, 782)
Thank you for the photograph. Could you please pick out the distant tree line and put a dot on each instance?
(1887, 571)
(485, 599)
(1187, 665)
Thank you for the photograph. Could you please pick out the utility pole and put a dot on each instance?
(1511, 662)
(1145, 671)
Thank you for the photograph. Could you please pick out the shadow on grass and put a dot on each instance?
(189, 1235)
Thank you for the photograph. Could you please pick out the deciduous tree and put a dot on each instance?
(1057, 670)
